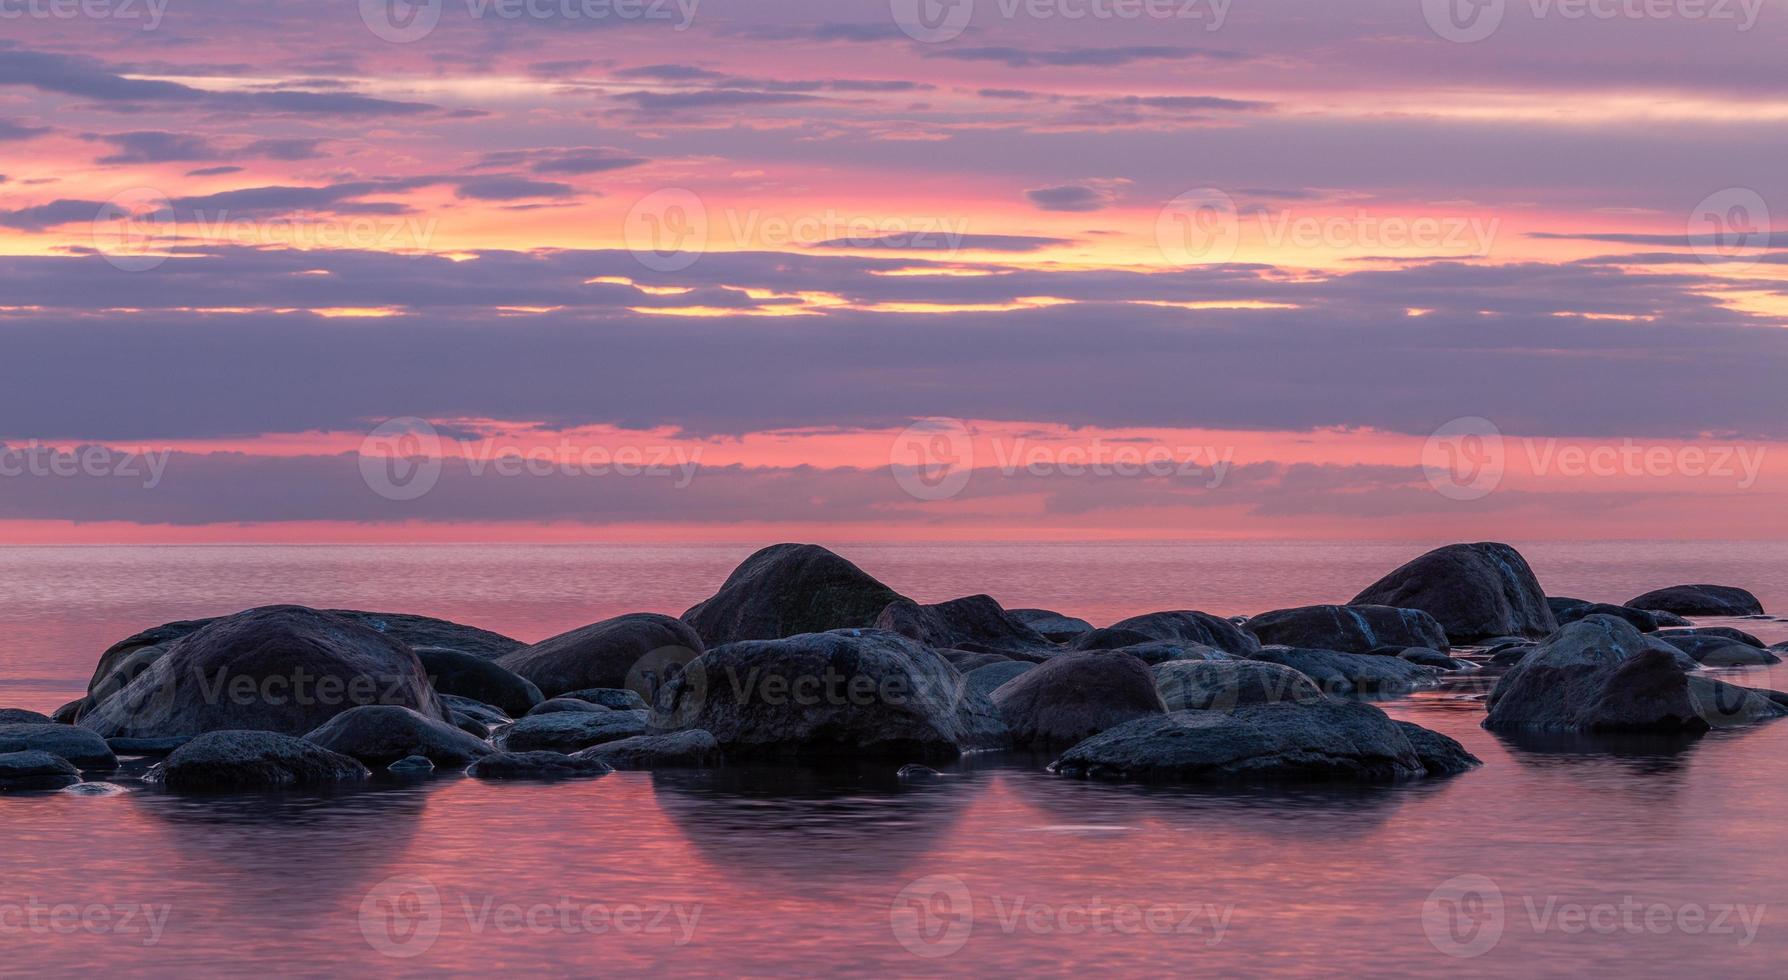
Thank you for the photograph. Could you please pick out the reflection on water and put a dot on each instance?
(996, 868)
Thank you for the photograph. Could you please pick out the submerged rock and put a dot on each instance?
(1348, 629)
(1473, 590)
(638, 651)
(536, 765)
(468, 675)
(412, 765)
(1700, 600)
(244, 760)
(284, 669)
(1352, 673)
(915, 773)
(847, 693)
(77, 745)
(1192, 627)
(379, 735)
(34, 772)
(1055, 627)
(1322, 739)
(570, 731)
(1076, 695)
(976, 621)
(788, 590)
(1220, 685)
(1602, 675)
(691, 749)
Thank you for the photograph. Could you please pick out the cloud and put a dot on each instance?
(213, 171)
(715, 99)
(511, 188)
(12, 132)
(1081, 57)
(940, 242)
(1070, 197)
(570, 161)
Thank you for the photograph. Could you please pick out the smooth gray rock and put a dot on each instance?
(975, 620)
(846, 693)
(379, 735)
(1473, 590)
(788, 590)
(569, 731)
(1189, 626)
(966, 661)
(638, 651)
(1441, 755)
(1221, 685)
(1166, 651)
(468, 675)
(1348, 629)
(1700, 600)
(536, 766)
(245, 760)
(35, 772)
(1433, 658)
(691, 749)
(1728, 632)
(1601, 675)
(1352, 673)
(1326, 739)
(283, 669)
(1074, 696)
(1642, 620)
(1719, 651)
(490, 714)
(19, 716)
(985, 680)
(1055, 627)
(77, 745)
(620, 699)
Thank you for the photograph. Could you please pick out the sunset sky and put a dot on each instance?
(891, 268)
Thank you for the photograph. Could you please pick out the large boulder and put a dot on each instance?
(1440, 754)
(618, 698)
(244, 760)
(1352, 673)
(77, 745)
(986, 679)
(1220, 685)
(1323, 739)
(281, 669)
(1056, 627)
(1475, 591)
(29, 772)
(1166, 651)
(468, 675)
(1074, 696)
(536, 766)
(975, 622)
(689, 749)
(19, 716)
(1602, 675)
(787, 590)
(845, 693)
(557, 705)
(638, 651)
(1700, 600)
(570, 731)
(1643, 620)
(380, 734)
(1189, 626)
(1349, 629)
(1714, 650)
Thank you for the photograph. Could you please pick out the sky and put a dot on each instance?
(885, 269)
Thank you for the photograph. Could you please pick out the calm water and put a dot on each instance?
(1631, 859)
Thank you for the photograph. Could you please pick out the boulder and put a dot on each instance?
(1352, 673)
(1074, 696)
(975, 620)
(1601, 675)
(68, 713)
(1433, 658)
(1473, 590)
(556, 705)
(690, 749)
(787, 590)
(1441, 755)
(19, 716)
(1668, 618)
(1221, 685)
(31, 772)
(77, 745)
(490, 714)
(1187, 626)
(1728, 632)
(570, 731)
(1643, 620)
(536, 765)
(412, 765)
(846, 693)
(283, 669)
(1055, 627)
(1326, 739)
(965, 661)
(1720, 651)
(426, 634)
(618, 698)
(985, 680)
(252, 760)
(143, 747)
(639, 651)
(1112, 638)
(1561, 604)
(1348, 629)
(1166, 651)
(379, 735)
(468, 675)
(1700, 600)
